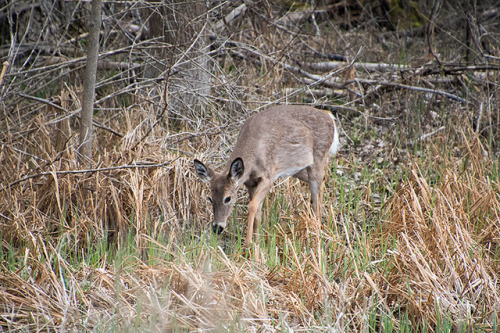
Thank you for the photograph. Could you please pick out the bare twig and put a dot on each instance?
(4, 68)
(68, 114)
(44, 101)
(127, 166)
(478, 124)
(428, 135)
(430, 29)
(160, 116)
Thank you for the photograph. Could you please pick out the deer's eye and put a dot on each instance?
(227, 200)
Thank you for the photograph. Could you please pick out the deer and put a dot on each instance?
(279, 142)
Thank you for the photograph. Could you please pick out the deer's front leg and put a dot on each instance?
(257, 195)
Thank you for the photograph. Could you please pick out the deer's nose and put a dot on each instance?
(217, 228)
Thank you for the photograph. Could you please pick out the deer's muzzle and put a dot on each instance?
(218, 228)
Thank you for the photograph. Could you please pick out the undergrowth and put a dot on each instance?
(409, 238)
(420, 252)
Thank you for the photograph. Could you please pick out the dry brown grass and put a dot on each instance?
(437, 255)
(446, 240)
(127, 249)
(85, 206)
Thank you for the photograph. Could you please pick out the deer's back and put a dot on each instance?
(285, 137)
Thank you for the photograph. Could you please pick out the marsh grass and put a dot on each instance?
(409, 238)
(136, 254)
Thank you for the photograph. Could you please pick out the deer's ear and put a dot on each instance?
(202, 171)
(237, 169)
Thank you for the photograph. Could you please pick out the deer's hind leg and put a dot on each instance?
(316, 179)
(313, 176)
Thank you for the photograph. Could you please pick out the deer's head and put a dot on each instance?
(224, 190)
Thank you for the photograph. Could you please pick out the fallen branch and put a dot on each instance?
(229, 18)
(314, 92)
(405, 86)
(456, 69)
(359, 66)
(325, 80)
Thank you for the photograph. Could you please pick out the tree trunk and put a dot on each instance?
(86, 129)
(180, 31)
(187, 31)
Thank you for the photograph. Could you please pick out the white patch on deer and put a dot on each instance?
(289, 172)
(336, 143)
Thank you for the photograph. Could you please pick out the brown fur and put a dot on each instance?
(282, 141)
